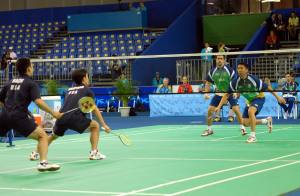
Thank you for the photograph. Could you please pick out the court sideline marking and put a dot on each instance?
(206, 174)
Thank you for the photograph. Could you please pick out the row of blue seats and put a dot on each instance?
(110, 37)
(88, 55)
(25, 37)
(101, 45)
(30, 25)
(29, 31)
(95, 49)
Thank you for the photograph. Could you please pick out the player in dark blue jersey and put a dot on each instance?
(15, 98)
(252, 89)
(77, 120)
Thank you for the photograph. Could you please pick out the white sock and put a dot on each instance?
(264, 121)
(209, 128)
(242, 127)
(94, 151)
(252, 134)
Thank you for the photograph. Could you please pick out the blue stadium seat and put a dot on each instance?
(88, 44)
(104, 37)
(129, 42)
(33, 46)
(113, 43)
(88, 39)
(130, 48)
(128, 36)
(57, 51)
(137, 36)
(121, 37)
(121, 43)
(139, 48)
(138, 42)
(80, 39)
(112, 37)
(96, 38)
(105, 44)
(80, 45)
(114, 50)
(96, 44)
(147, 42)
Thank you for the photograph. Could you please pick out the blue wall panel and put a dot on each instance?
(183, 36)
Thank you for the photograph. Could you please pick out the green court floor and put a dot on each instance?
(164, 160)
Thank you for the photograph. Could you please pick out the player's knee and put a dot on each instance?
(94, 125)
(251, 111)
(210, 110)
(41, 134)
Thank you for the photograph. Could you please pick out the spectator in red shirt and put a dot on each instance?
(272, 41)
(185, 87)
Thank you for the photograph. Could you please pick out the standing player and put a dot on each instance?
(220, 76)
(15, 98)
(255, 98)
(77, 120)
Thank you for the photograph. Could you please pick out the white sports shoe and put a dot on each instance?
(45, 166)
(251, 139)
(270, 123)
(96, 155)
(34, 156)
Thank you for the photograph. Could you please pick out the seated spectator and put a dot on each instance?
(289, 91)
(165, 87)
(116, 69)
(123, 78)
(12, 54)
(201, 87)
(281, 27)
(221, 47)
(268, 82)
(272, 22)
(271, 41)
(157, 80)
(293, 25)
(185, 87)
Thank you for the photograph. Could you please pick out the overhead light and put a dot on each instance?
(270, 1)
(211, 3)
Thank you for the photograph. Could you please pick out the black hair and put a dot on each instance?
(245, 65)
(22, 65)
(78, 75)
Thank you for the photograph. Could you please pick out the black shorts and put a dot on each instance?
(76, 121)
(20, 122)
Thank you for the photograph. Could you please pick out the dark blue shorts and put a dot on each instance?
(217, 99)
(258, 103)
(19, 121)
(75, 121)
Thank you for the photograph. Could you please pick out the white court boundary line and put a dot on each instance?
(182, 159)
(232, 178)
(73, 191)
(206, 174)
(107, 137)
(33, 145)
(257, 133)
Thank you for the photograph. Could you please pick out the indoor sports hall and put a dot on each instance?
(150, 97)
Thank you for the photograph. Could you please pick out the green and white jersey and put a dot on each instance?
(221, 77)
